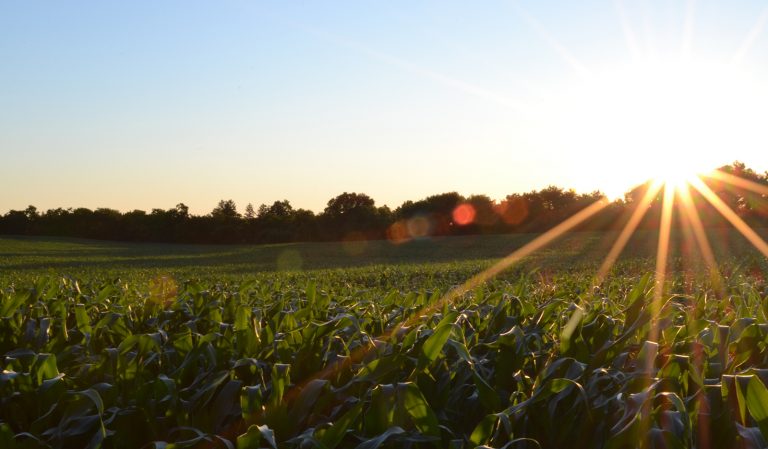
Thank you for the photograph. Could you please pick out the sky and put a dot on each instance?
(145, 104)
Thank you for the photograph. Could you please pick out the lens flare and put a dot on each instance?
(464, 214)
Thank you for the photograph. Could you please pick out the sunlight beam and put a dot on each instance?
(738, 182)
(692, 262)
(751, 37)
(516, 256)
(690, 212)
(731, 216)
(662, 254)
(627, 231)
(626, 28)
(688, 23)
(553, 42)
(445, 80)
(658, 290)
(409, 66)
(693, 222)
(358, 354)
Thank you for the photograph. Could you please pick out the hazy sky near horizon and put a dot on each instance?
(144, 104)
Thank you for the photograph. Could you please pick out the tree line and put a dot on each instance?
(355, 216)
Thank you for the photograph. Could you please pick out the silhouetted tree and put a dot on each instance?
(279, 209)
(181, 211)
(15, 222)
(352, 215)
(275, 223)
(355, 215)
(436, 209)
(746, 203)
(484, 208)
(225, 209)
(249, 212)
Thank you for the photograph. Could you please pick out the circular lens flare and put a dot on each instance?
(464, 214)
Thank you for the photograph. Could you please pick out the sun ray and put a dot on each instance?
(532, 246)
(553, 42)
(662, 254)
(692, 215)
(626, 28)
(671, 191)
(649, 33)
(408, 66)
(740, 225)
(690, 254)
(731, 216)
(751, 37)
(692, 223)
(738, 181)
(544, 239)
(688, 28)
(469, 88)
(629, 228)
(627, 231)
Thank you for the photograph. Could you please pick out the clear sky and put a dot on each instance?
(143, 104)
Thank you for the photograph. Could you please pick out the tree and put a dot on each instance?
(485, 211)
(276, 223)
(352, 213)
(436, 209)
(348, 204)
(441, 205)
(31, 212)
(513, 210)
(745, 202)
(15, 222)
(278, 209)
(249, 212)
(182, 211)
(226, 210)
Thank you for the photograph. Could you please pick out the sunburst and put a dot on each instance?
(660, 108)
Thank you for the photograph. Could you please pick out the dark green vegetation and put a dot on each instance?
(355, 216)
(153, 345)
(23, 258)
(27, 256)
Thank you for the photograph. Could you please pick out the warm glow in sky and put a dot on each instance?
(660, 119)
(147, 104)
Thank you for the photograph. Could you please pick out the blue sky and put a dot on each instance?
(147, 104)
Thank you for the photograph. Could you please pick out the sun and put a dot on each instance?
(674, 176)
(660, 119)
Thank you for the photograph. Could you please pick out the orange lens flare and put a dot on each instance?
(464, 214)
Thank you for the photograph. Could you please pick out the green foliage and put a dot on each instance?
(351, 358)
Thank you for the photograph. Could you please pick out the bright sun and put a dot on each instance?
(661, 120)
(673, 176)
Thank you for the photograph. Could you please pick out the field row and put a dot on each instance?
(321, 360)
